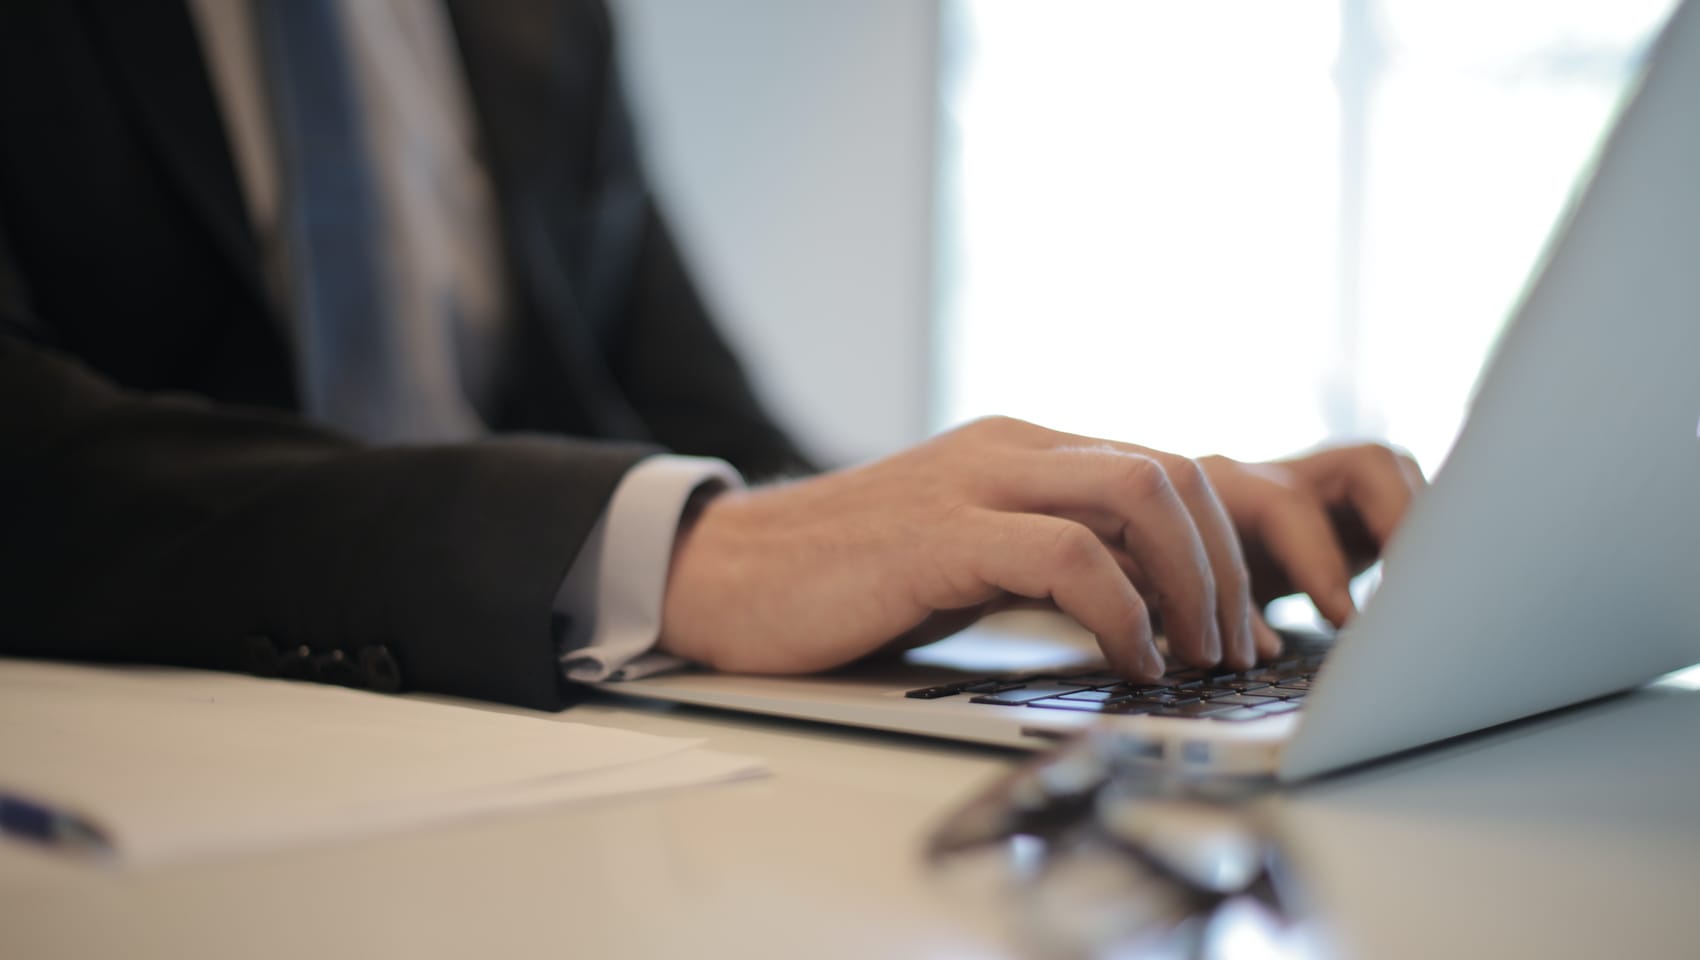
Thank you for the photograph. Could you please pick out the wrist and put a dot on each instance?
(685, 573)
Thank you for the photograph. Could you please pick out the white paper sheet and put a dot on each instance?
(173, 764)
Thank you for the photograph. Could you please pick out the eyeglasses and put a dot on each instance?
(1107, 854)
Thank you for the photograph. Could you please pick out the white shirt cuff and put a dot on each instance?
(612, 595)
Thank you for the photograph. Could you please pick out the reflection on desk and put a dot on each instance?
(1577, 835)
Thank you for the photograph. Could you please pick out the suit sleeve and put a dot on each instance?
(164, 529)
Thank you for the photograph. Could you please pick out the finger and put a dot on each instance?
(1295, 530)
(1108, 529)
(1227, 559)
(1137, 506)
(1268, 641)
(1412, 470)
(1234, 608)
(1373, 478)
(1040, 556)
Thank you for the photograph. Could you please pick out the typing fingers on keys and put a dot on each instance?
(1047, 557)
(1160, 511)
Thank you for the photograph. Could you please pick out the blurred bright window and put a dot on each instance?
(1248, 227)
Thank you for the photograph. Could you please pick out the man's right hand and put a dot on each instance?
(812, 574)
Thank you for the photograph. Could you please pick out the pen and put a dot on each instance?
(46, 825)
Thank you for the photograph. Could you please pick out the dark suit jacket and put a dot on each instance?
(162, 502)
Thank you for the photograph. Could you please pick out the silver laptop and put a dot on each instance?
(1555, 559)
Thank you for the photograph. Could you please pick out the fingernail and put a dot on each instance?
(1265, 641)
(1154, 665)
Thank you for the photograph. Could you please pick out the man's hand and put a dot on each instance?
(1311, 523)
(813, 574)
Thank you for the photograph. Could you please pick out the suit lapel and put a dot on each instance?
(535, 72)
(156, 55)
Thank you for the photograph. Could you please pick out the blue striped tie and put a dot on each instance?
(356, 371)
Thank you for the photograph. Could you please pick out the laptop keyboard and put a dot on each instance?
(1193, 693)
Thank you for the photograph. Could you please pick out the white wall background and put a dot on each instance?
(792, 142)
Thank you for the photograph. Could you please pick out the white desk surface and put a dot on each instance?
(1573, 836)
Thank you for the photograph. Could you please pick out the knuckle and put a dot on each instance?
(1379, 455)
(1207, 585)
(1187, 476)
(1075, 549)
(1234, 582)
(1136, 617)
(1142, 477)
(1217, 463)
(997, 425)
(956, 518)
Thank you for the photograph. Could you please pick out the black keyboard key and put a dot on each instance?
(1237, 686)
(1211, 690)
(1095, 679)
(1193, 711)
(1167, 698)
(990, 686)
(1050, 678)
(1064, 703)
(1097, 695)
(1031, 691)
(1242, 700)
(1121, 690)
(933, 693)
(1128, 708)
(1294, 684)
(1280, 707)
